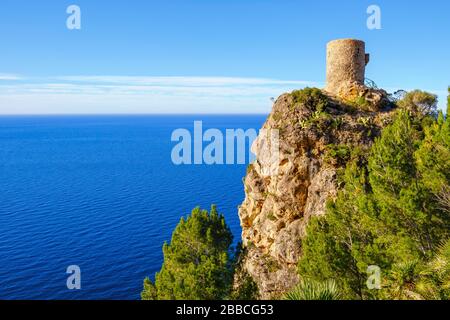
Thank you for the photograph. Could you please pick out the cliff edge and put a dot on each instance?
(318, 132)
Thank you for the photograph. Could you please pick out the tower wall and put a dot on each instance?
(346, 63)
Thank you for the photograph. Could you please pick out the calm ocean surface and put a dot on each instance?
(100, 192)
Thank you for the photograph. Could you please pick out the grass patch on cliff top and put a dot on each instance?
(312, 98)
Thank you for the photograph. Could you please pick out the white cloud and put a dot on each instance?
(4, 76)
(184, 81)
(126, 94)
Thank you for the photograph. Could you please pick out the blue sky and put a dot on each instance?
(204, 56)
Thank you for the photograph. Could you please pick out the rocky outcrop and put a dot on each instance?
(317, 133)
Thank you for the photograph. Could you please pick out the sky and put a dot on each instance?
(204, 56)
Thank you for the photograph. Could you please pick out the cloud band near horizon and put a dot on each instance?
(139, 94)
(143, 94)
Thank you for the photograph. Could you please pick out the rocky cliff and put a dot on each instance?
(318, 132)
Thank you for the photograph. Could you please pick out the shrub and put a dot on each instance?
(420, 103)
(245, 288)
(412, 280)
(337, 154)
(312, 98)
(361, 102)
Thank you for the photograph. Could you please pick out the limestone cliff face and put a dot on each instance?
(312, 126)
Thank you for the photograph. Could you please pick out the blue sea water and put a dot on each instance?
(100, 192)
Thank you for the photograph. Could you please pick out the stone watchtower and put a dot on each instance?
(346, 64)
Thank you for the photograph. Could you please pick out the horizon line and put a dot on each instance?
(130, 114)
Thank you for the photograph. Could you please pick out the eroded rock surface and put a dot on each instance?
(277, 207)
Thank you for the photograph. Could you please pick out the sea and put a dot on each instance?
(101, 193)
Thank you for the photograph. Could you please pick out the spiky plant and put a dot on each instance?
(417, 281)
(435, 279)
(402, 281)
(309, 289)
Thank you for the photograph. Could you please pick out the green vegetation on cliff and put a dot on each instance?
(196, 262)
(311, 98)
(393, 212)
(313, 290)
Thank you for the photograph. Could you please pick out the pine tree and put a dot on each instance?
(405, 205)
(196, 262)
(420, 103)
(433, 158)
(388, 213)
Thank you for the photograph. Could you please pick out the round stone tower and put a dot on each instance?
(346, 63)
